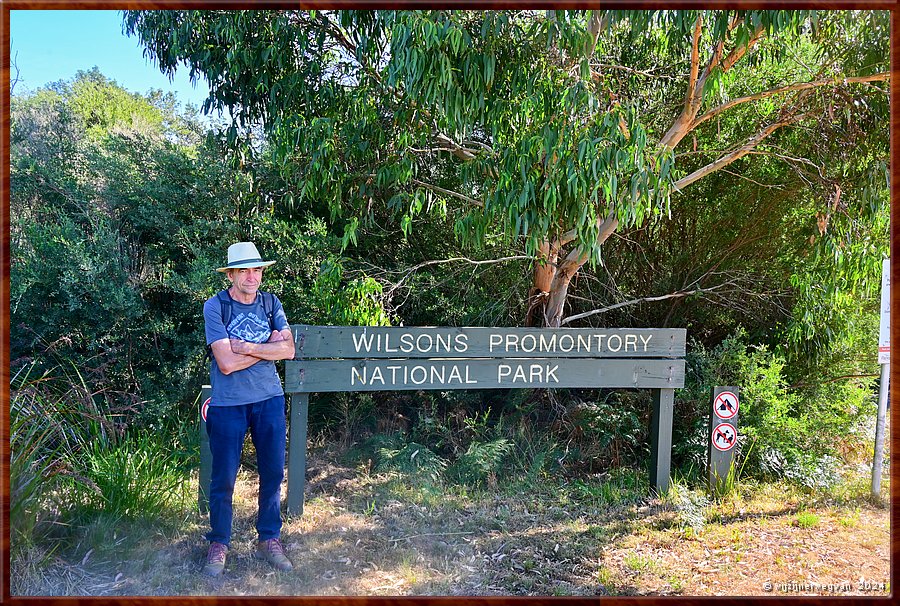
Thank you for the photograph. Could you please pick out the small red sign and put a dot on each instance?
(204, 408)
(725, 405)
(724, 436)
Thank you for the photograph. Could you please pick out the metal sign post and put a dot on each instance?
(722, 433)
(878, 459)
(884, 358)
(884, 327)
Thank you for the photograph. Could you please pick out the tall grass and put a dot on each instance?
(690, 505)
(728, 487)
(73, 457)
(414, 460)
(138, 477)
(51, 421)
(34, 463)
(482, 462)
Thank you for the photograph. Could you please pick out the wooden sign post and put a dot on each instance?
(723, 433)
(205, 453)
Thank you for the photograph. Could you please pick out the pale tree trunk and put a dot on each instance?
(563, 272)
(559, 290)
(544, 272)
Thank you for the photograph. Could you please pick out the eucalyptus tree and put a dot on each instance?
(520, 125)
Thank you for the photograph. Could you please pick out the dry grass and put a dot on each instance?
(374, 534)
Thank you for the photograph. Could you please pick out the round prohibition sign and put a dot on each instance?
(724, 436)
(204, 407)
(725, 405)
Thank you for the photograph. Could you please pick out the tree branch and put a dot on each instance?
(714, 60)
(415, 268)
(483, 146)
(453, 147)
(735, 55)
(622, 68)
(789, 159)
(732, 156)
(674, 295)
(753, 181)
(336, 33)
(595, 25)
(685, 122)
(428, 150)
(695, 64)
(14, 80)
(789, 88)
(448, 192)
(577, 257)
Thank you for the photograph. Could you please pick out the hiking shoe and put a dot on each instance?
(272, 552)
(215, 559)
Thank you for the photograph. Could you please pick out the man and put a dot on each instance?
(246, 330)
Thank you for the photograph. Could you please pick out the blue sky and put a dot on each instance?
(52, 45)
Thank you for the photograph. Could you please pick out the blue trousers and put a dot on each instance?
(227, 427)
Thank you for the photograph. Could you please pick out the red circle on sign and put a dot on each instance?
(724, 436)
(725, 405)
(204, 408)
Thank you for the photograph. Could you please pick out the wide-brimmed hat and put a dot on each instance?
(243, 255)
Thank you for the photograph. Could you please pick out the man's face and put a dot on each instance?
(246, 281)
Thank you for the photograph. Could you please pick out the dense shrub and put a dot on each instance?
(113, 251)
(611, 428)
(797, 433)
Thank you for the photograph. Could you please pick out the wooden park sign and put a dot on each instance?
(381, 358)
(342, 358)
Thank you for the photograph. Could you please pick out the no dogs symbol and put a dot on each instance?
(725, 405)
(204, 408)
(724, 436)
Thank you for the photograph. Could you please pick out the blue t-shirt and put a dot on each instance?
(248, 323)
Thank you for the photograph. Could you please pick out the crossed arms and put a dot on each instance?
(234, 354)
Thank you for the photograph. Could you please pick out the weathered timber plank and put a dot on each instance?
(481, 342)
(394, 375)
(661, 438)
(296, 480)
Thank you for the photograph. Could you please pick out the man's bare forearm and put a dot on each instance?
(230, 361)
(273, 350)
(240, 362)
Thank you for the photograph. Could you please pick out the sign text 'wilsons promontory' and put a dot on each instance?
(478, 342)
(502, 343)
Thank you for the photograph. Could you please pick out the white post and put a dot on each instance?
(878, 460)
(884, 358)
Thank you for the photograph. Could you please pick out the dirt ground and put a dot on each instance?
(371, 534)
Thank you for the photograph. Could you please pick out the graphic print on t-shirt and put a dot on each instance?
(249, 328)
